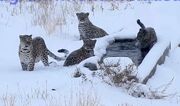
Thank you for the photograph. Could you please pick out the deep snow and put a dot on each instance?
(163, 16)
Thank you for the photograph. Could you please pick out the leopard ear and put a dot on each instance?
(95, 41)
(30, 35)
(87, 14)
(77, 14)
(20, 36)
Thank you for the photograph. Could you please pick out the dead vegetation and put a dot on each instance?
(44, 97)
(117, 76)
(52, 15)
(126, 79)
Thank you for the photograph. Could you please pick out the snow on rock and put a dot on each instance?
(151, 59)
(101, 45)
(118, 62)
(93, 59)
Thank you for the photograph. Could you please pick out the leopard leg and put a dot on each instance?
(31, 66)
(44, 60)
(24, 66)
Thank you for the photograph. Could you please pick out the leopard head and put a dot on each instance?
(89, 44)
(82, 17)
(25, 41)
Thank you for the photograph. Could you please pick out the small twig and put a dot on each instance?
(166, 86)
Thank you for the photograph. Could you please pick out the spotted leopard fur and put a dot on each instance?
(32, 50)
(86, 29)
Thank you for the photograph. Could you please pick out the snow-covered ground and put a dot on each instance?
(55, 86)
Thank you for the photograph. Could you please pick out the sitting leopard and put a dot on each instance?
(32, 51)
(86, 29)
(81, 54)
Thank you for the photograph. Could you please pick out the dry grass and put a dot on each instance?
(52, 15)
(113, 74)
(41, 96)
(48, 14)
(9, 100)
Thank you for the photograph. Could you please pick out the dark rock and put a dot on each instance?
(77, 74)
(136, 49)
(124, 48)
(160, 61)
(91, 66)
(53, 89)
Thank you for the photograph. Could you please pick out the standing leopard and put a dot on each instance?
(146, 38)
(32, 50)
(86, 29)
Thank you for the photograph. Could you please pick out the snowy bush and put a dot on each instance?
(114, 74)
(125, 77)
